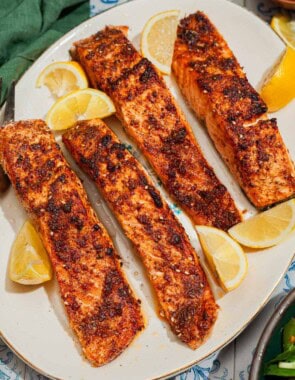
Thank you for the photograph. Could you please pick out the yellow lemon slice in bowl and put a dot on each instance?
(62, 78)
(267, 228)
(279, 89)
(225, 256)
(29, 263)
(157, 39)
(285, 28)
(79, 105)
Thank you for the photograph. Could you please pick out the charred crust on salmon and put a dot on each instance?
(151, 116)
(217, 89)
(101, 307)
(173, 267)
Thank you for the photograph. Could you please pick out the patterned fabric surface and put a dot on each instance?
(232, 362)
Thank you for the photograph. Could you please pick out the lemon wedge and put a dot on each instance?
(279, 89)
(62, 78)
(79, 105)
(157, 39)
(225, 256)
(29, 263)
(285, 28)
(267, 228)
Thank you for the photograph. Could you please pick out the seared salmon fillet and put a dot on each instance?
(101, 307)
(180, 284)
(150, 115)
(217, 89)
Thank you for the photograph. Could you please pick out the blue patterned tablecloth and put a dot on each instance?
(232, 362)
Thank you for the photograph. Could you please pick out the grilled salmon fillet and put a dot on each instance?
(180, 284)
(217, 89)
(150, 115)
(101, 307)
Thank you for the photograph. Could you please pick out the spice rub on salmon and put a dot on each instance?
(101, 307)
(217, 89)
(150, 115)
(180, 284)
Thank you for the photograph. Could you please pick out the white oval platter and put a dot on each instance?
(32, 319)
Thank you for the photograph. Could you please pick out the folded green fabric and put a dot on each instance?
(28, 27)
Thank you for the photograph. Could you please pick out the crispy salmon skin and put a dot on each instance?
(217, 89)
(101, 307)
(180, 284)
(151, 116)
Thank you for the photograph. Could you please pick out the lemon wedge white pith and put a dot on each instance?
(225, 256)
(29, 263)
(157, 39)
(285, 28)
(267, 228)
(79, 105)
(62, 78)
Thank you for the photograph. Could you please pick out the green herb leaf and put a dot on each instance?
(274, 370)
(286, 356)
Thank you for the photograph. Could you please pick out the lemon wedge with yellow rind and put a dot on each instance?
(279, 89)
(29, 263)
(267, 228)
(158, 37)
(79, 105)
(225, 256)
(285, 28)
(62, 78)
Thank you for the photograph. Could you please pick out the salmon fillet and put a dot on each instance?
(217, 89)
(180, 284)
(101, 307)
(150, 115)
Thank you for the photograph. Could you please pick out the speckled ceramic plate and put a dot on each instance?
(32, 320)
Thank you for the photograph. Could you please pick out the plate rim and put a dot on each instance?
(262, 304)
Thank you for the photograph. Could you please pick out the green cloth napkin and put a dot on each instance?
(28, 27)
